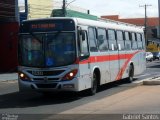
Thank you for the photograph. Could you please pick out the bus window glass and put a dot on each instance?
(102, 40)
(92, 39)
(32, 51)
(119, 35)
(59, 50)
(84, 49)
(111, 35)
(139, 37)
(143, 41)
(55, 49)
(112, 40)
(140, 45)
(127, 41)
(120, 40)
(133, 37)
(134, 45)
(126, 36)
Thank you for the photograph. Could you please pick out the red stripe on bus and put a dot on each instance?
(121, 72)
(95, 59)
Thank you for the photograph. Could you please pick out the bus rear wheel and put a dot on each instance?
(93, 89)
(131, 74)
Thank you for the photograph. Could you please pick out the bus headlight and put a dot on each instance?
(70, 75)
(23, 76)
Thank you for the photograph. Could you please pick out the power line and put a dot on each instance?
(70, 3)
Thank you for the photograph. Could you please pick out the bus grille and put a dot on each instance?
(43, 79)
(46, 73)
(53, 85)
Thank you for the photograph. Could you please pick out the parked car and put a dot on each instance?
(149, 56)
(156, 55)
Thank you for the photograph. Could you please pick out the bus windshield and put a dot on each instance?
(47, 49)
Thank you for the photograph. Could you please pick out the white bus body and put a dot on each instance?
(117, 52)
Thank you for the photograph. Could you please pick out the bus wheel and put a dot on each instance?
(93, 89)
(131, 74)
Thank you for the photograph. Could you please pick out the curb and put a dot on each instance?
(8, 77)
(153, 81)
(8, 81)
(147, 81)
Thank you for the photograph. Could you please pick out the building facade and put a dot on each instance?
(43, 8)
(152, 24)
(39, 8)
(9, 22)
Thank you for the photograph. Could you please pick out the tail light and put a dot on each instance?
(70, 75)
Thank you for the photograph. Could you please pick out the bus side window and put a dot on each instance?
(139, 41)
(92, 39)
(134, 42)
(120, 40)
(102, 39)
(143, 41)
(112, 40)
(127, 41)
(84, 44)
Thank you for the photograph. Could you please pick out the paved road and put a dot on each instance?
(34, 103)
(153, 70)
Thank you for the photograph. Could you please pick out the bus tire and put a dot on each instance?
(130, 74)
(93, 89)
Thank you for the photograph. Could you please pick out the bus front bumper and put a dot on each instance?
(26, 86)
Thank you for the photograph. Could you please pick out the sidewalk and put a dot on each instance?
(138, 100)
(137, 103)
(8, 76)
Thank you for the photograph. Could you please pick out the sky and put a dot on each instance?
(123, 8)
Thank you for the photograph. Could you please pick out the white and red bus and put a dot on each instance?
(74, 54)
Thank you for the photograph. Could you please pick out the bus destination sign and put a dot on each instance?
(43, 26)
(47, 25)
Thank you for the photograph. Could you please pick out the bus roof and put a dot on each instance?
(110, 24)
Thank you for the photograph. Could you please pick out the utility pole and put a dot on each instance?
(64, 8)
(159, 19)
(145, 21)
(26, 8)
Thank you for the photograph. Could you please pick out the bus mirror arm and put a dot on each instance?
(83, 35)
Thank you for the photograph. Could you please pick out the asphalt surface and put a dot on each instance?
(13, 102)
